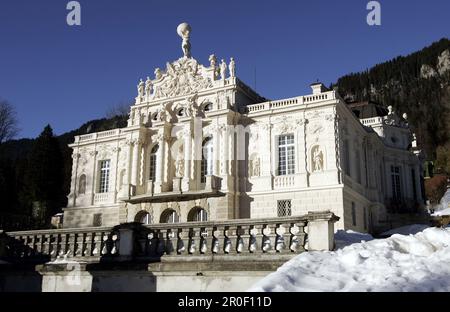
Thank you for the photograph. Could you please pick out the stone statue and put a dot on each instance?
(148, 86)
(212, 60)
(179, 165)
(184, 31)
(317, 159)
(232, 68)
(390, 110)
(158, 73)
(256, 167)
(223, 69)
(141, 87)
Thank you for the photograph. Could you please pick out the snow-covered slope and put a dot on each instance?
(419, 262)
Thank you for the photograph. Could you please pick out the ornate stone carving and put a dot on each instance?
(182, 77)
(148, 86)
(255, 167)
(317, 159)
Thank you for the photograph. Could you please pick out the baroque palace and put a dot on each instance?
(202, 145)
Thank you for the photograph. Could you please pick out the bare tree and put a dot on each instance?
(8, 121)
(120, 109)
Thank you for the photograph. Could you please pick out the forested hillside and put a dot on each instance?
(417, 84)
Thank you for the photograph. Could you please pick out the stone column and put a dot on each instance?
(159, 163)
(216, 151)
(135, 163)
(187, 159)
(224, 152)
(321, 231)
(73, 188)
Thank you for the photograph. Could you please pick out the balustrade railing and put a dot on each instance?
(264, 236)
(286, 235)
(48, 245)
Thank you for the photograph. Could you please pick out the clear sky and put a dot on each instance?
(65, 76)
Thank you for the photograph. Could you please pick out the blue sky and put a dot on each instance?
(65, 76)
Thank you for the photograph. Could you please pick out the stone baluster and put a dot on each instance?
(206, 240)
(182, 241)
(62, 245)
(88, 249)
(227, 241)
(244, 238)
(105, 244)
(301, 236)
(170, 235)
(114, 244)
(218, 240)
(194, 240)
(78, 245)
(269, 240)
(96, 243)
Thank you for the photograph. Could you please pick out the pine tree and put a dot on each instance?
(46, 176)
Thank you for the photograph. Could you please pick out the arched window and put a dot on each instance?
(82, 184)
(197, 214)
(152, 163)
(169, 216)
(143, 217)
(208, 107)
(207, 159)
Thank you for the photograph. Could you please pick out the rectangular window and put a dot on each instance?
(104, 176)
(286, 155)
(353, 214)
(152, 167)
(396, 186)
(284, 208)
(97, 221)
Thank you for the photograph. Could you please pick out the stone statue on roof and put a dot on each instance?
(184, 31)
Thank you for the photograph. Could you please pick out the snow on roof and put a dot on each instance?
(399, 263)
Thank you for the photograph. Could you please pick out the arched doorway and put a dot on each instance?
(169, 216)
(197, 214)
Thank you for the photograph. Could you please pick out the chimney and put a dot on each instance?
(318, 88)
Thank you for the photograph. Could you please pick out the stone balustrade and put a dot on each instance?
(307, 99)
(47, 245)
(134, 241)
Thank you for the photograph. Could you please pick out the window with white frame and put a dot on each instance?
(104, 176)
(169, 216)
(396, 184)
(284, 208)
(198, 215)
(286, 155)
(207, 159)
(152, 163)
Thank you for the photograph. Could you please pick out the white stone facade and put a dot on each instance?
(200, 144)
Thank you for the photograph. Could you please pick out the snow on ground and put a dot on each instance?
(417, 262)
(344, 238)
(406, 230)
(443, 212)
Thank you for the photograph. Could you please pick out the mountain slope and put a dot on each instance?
(417, 84)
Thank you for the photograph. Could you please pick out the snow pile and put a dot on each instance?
(406, 230)
(345, 238)
(417, 262)
(443, 209)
